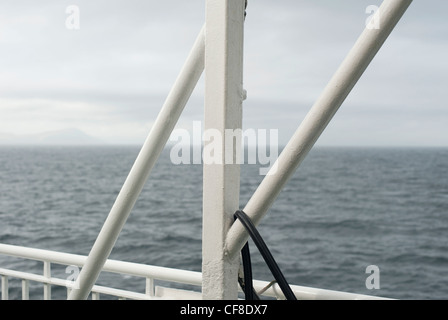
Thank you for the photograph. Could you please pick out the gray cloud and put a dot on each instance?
(111, 77)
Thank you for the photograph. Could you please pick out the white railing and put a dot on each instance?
(219, 51)
(148, 273)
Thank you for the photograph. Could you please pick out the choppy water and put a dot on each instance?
(345, 209)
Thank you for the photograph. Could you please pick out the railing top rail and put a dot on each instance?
(115, 266)
(160, 273)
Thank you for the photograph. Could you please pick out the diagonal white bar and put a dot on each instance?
(318, 118)
(150, 152)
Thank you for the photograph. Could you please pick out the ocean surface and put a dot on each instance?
(345, 209)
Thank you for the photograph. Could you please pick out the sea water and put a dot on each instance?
(344, 210)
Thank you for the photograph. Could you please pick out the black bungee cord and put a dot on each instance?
(267, 256)
(247, 283)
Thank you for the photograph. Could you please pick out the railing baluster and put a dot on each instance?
(95, 295)
(5, 288)
(25, 290)
(47, 286)
(150, 287)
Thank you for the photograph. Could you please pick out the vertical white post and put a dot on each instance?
(5, 289)
(149, 289)
(25, 290)
(47, 286)
(223, 111)
(96, 295)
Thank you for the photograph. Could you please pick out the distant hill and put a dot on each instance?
(70, 137)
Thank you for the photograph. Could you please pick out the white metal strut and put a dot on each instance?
(318, 118)
(150, 152)
(219, 48)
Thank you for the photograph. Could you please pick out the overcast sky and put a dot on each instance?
(110, 77)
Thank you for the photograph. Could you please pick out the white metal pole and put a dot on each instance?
(223, 111)
(318, 118)
(47, 286)
(150, 152)
(5, 288)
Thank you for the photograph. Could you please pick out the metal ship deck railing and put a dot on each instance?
(148, 274)
(218, 51)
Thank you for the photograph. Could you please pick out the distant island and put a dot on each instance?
(70, 136)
